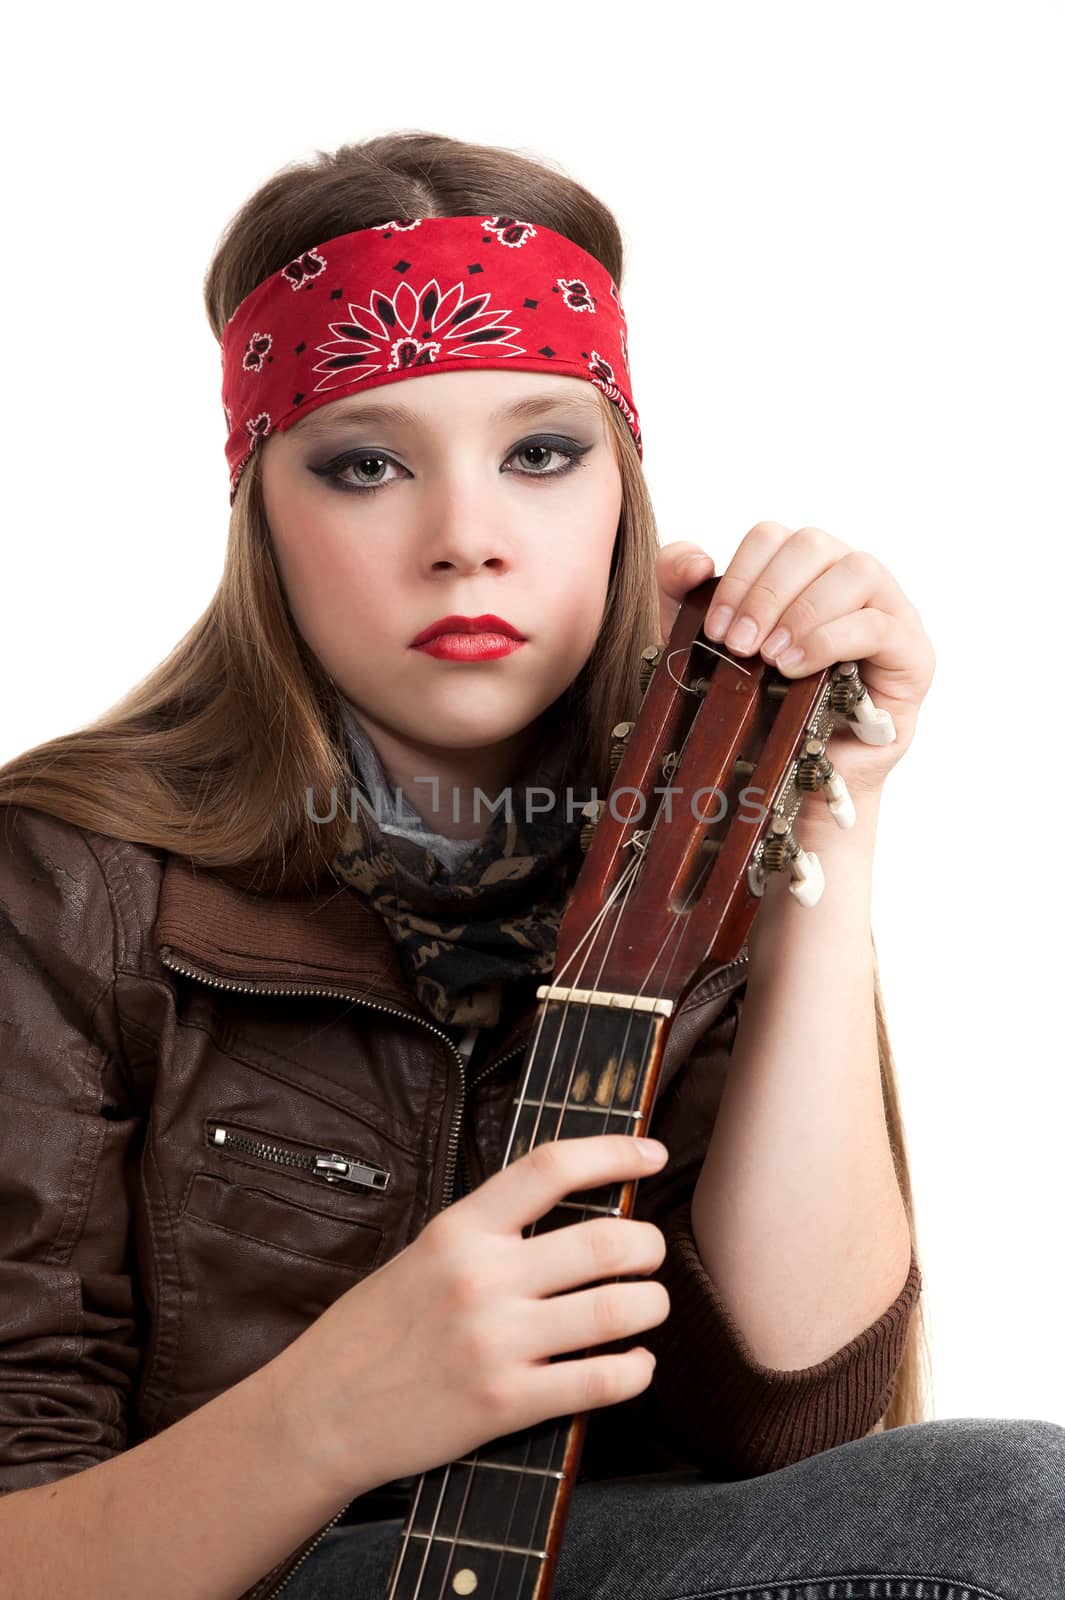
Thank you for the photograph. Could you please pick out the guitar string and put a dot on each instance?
(662, 978)
(472, 1466)
(565, 1099)
(556, 1431)
(619, 887)
(547, 1080)
(627, 881)
(608, 1112)
(531, 1055)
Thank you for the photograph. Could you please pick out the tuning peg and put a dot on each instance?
(849, 695)
(592, 811)
(839, 801)
(815, 771)
(619, 734)
(781, 850)
(651, 657)
(807, 877)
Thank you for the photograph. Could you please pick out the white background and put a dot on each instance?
(844, 296)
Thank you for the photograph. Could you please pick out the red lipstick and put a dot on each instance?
(455, 638)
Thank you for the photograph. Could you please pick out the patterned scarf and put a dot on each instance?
(469, 916)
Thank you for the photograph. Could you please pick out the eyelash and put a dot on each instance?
(332, 470)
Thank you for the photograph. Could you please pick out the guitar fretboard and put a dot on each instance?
(481, 1525)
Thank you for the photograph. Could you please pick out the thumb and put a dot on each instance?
(680, 566)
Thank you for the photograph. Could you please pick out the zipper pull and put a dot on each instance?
(338, 1169)
(331, 1166)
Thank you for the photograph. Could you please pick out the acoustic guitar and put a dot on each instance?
(705, 789)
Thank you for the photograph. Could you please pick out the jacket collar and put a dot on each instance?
(331, 940)
(327, 940)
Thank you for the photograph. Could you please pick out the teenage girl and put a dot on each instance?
(192, 1388)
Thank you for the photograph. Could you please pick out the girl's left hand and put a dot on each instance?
(837, 604)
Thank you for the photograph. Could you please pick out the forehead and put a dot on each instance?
(572, 395)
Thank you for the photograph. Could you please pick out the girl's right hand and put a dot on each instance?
(449, 1344)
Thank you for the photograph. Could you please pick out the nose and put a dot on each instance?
(466, 548)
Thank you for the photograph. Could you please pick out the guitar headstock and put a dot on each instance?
(707, 785)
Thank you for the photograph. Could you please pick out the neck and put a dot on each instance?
(441, 782)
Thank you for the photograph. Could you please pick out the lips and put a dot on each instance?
(469, 646)
(456, 624)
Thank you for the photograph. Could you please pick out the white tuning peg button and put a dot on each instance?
(807, 878)
(872, 725)
(839, 800)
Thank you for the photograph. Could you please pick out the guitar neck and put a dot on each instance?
(492, 1522)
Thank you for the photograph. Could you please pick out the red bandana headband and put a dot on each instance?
(409, 297)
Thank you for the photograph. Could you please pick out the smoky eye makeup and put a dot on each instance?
(328, 465)
(323, 458)
(566, 450)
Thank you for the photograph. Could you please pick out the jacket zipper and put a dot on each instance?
(477, 1078)
(345, 994)
(326, 1164)
(453, 1144)
(717, 979)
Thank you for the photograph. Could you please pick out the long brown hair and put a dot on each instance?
(213, 755)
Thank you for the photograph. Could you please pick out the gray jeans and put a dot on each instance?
(963, 1508)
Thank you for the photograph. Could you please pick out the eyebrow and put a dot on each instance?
(533, 406)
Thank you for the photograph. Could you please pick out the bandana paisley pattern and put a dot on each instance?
(410, 297)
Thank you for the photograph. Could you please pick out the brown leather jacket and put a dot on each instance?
(220, 1111)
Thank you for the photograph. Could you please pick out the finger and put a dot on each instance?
(757, 549)
(894, 661)
(855, 583)
(591, 1317)
(590, 1252)
(862, 635)
(527, 1189)
(679, 567)
(565, 1388)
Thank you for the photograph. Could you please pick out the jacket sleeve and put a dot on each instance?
(726, 1413)
(68, 1351)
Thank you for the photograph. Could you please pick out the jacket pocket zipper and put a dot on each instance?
(328, 1165)
(358, 999)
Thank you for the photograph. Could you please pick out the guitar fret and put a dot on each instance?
(478, 1544)
(567, 1107)
(575, 1205)
(507, 1466)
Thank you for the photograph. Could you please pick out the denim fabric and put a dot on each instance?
(963, 1508)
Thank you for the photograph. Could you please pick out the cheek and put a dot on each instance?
(335, 590)
(573, 609)
(581, 579)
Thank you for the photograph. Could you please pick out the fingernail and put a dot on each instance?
(653, 1149)
(718, 621)
(776, 641)
(792, 657)
(744, 634)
